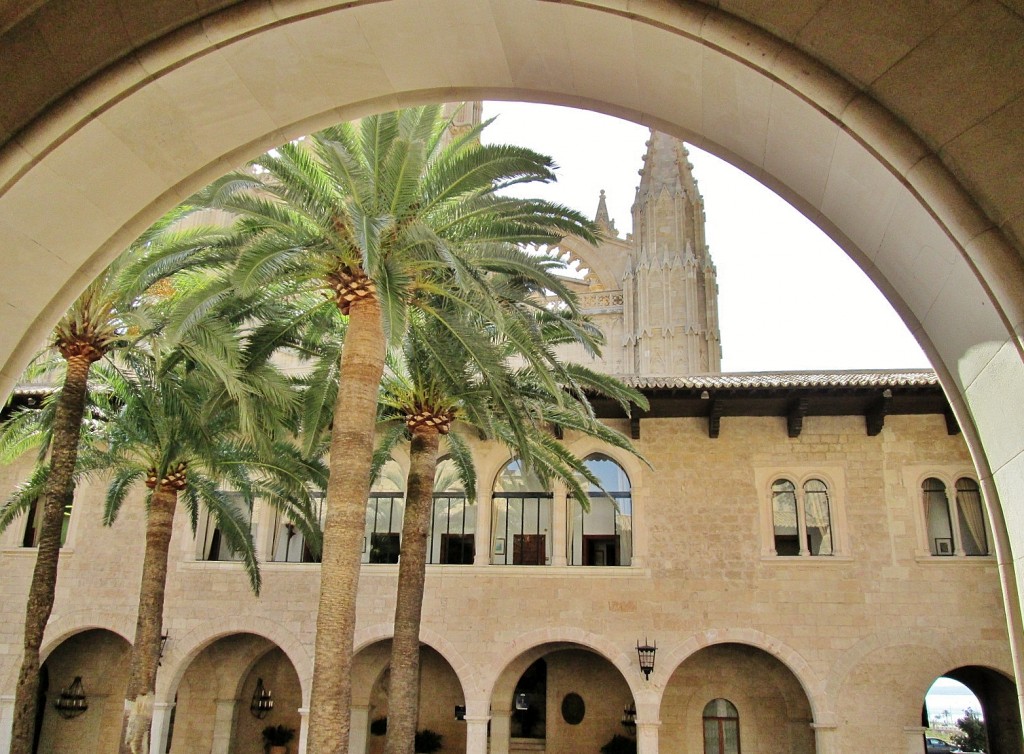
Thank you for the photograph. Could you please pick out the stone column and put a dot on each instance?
(501, 731)
(159, 729)
(482, 536)
(359, 733)
(914, 738)
(6, 721)
(647, 737)
(223, 722)
(303, 729)
(825, 738)
(558, 519)
(476, 729)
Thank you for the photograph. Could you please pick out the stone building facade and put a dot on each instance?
(808, 553)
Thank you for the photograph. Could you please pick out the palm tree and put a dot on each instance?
(105, 318)
(172, 425)
(452, 370)
(379, 214)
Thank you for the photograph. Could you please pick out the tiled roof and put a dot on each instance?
(810, 379)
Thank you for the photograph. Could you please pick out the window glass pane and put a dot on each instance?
(936, 511)
(446, 477)
(972, 517)
(787, 539)
(384, 513)
(712, 743)
(289, 544)
(817, 518)
(452, 529)
(33, 520)
(604, 534)
(513, 478)
(731, 730)
(521, 519)
(214, 545)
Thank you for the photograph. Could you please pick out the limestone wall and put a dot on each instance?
(861, 634)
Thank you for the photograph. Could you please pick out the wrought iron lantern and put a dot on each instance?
(262, 701)
(645, 653)
(72, 702)
(629, 716)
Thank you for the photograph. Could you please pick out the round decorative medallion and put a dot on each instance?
(573, 709)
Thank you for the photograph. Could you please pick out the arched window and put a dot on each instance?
(521, 520)
(453, 522)
(603, 536)
(288, 543)
(721, 728)
(34, 519)
(960, 530)
(802, 518)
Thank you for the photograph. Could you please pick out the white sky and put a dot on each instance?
(789, 298)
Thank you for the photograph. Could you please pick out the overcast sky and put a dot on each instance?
(789, 298)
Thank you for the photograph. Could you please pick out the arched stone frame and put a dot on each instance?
(935, 651)
(821, 703)
(951, 258)
(500, 677)
(181, 652)
(636, 470)
(600, 272)
(464, 671)
(914, 477)
(66, 625)
(554, 540)
(834, 477)
(949, 652)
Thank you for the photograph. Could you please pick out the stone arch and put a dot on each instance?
(770, 703)
(813, 687)
(90, 148)
(534, 644)
(437, 641)
(179, 654)
(66, 625)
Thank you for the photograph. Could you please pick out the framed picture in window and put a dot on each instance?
(499, 547)
(943, 546)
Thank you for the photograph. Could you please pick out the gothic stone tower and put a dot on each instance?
(670, 293)
(653, 293)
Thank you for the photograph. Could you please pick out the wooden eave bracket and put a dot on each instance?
(634, 427)
(715, 418)
(875, 417)
(952, 425)
(795, 417)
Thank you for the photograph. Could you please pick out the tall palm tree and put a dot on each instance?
(173, 426)
(107, 317)
(379, 214)
(457, 372)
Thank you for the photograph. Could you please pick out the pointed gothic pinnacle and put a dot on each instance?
(602, 218)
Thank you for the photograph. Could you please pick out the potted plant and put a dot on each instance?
(276, 738)
(427, 741)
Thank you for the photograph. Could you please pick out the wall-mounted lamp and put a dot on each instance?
(645, 653)
(262, 701)
(72, 702)
(460, 712)
(629, 716)
(163, 645)
(522, 701)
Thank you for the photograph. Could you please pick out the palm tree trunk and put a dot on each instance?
(355, 412)
(59, 490)
(404, 686)
(145, 658)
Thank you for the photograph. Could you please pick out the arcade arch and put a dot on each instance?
(106, 141)
(772, 709)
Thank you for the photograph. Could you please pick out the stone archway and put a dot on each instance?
(773, 711)
(558, 696)
(100, 659)
(114, 116)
